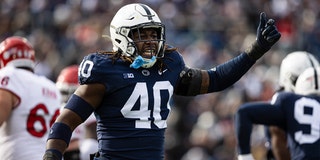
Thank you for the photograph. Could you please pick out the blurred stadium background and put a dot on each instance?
(206, 32)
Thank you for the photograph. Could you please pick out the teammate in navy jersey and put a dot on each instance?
(291, 67)
(129, 89)
(296, 113)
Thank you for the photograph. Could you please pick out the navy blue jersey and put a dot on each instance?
(131, 119)
(298, 115)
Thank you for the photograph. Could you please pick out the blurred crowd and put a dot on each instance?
(206, 32)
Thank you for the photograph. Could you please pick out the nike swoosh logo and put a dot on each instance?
(160, 73)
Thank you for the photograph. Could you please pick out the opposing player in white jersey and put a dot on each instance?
(29, 103)
(84, 138)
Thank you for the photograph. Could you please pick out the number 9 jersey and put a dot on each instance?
(135, 105)
(23, 135)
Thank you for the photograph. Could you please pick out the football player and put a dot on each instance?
(297, 113)
(29, 103)
(83, 141)
(291, 67)
(129, 89)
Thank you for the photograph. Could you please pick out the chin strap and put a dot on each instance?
(139, 61)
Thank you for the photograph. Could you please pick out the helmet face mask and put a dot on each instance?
(134, 18)
(140, 38)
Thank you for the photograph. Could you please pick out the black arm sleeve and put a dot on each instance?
(194, 81)
(189, 83)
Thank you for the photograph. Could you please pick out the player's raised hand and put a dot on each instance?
(267, 36)
(267, 33)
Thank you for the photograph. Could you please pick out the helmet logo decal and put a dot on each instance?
(16, 53)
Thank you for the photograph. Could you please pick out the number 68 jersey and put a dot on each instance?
(23, 135)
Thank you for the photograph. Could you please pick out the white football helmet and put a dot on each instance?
(308, 82)
(134, 17)
(292, 66)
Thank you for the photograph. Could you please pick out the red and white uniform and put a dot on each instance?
(24, 134)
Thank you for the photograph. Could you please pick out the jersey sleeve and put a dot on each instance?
(174, 60)
(249, 114)
(92, 67)
(10, 82)
(226, 74)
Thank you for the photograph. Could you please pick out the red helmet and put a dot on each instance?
(67, 81)
(18, 52)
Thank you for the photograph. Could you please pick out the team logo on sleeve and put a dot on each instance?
(128, 75)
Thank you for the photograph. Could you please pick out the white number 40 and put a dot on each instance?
(143, 115)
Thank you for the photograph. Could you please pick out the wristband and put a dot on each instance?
(255, 51)
(60, 131)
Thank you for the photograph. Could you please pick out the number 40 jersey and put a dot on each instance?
(23, 135)
(135, 106)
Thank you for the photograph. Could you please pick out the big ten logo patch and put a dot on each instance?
(128, 75)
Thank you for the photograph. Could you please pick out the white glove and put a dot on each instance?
(245, 157)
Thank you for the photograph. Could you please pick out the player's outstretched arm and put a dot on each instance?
(249, 114)
(267, 36)
(196, 81)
